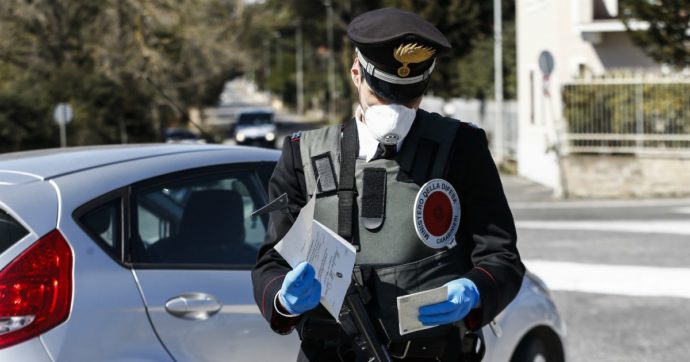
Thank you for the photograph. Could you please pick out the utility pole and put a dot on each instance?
(498, 82)
(279, 63)
(331, 65)
(300, 75)
(267, 68)
(279, 53)
(267, 60)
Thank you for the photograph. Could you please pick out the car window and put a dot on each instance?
(255, 119)
(103, 224)
(11, 231)
(199, 221)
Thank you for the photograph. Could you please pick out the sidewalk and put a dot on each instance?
(520, 189)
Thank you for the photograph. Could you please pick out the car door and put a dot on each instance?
(192, 244)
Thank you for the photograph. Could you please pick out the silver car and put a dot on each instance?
(256, 127)
(143, 253)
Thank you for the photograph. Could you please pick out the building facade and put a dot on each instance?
(585, 39)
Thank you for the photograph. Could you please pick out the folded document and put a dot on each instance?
(332, 257)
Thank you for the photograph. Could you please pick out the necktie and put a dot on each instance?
(385, 151)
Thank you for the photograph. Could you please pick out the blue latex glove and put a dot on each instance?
(462, 297)
(300, 291)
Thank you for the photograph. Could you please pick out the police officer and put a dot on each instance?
(416, 193)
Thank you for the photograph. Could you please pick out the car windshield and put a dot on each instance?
(255, 119)
(180, 134)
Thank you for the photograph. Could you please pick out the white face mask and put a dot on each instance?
(389, 123)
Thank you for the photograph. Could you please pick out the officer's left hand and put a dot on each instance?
(462, 297)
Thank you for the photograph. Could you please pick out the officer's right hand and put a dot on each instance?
(300, 291)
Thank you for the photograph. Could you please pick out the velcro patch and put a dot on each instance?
(324, 172)
(373, 197)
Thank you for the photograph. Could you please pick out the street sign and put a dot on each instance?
(546, 63)
(63, 113)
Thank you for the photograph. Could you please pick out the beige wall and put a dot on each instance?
(539, 27)
(610, 176)
(555, 26)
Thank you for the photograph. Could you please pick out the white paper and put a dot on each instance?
(408, 308)
(332, 257)
(295, 244)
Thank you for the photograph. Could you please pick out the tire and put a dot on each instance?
(532, 350)
(541, 344)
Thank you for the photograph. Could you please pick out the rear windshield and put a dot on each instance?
(10, 231)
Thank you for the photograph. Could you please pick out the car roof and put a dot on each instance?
(255, 111)
(51, 163)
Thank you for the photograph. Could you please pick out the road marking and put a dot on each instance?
(682, 210)
(626, 280)
(598, 204)
(679, 227)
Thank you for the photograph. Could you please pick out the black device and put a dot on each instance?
(357, 325)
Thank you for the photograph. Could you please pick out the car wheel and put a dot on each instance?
(539, 346)
(531, 350)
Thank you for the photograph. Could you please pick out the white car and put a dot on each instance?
(256, 127)
(143, 253)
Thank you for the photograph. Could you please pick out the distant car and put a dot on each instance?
(255, 127)
(181, 135)
(143, 253)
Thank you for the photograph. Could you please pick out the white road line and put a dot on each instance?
(676, 227)
(588, 204)
(613, 279)
(682, 210)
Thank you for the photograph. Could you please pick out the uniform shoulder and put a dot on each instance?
(471, 134)
(297, 136)
(321, 133)
(465, 127)
(470, 127)
(437, 116)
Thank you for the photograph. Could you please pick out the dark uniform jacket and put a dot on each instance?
(487, 231)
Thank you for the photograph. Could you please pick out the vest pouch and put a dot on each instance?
(390, 282)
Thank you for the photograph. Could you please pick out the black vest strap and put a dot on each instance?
(349, 147)
(423, 163)
(428, 148)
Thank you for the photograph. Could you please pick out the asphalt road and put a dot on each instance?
(619, 271)
(287, 126)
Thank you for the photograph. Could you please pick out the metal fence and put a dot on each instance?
(628, 116)
(483, 114)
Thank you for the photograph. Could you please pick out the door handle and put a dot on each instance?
(194, 306)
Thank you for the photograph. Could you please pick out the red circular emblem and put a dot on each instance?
(437, 214)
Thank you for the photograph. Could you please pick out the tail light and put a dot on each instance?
(36, 290)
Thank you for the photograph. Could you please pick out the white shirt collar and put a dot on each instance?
(368, 145)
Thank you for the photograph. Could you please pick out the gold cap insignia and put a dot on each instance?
(411, 53)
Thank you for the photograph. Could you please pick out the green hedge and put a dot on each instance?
(613, 108)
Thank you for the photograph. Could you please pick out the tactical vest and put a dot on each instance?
(391, 259)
